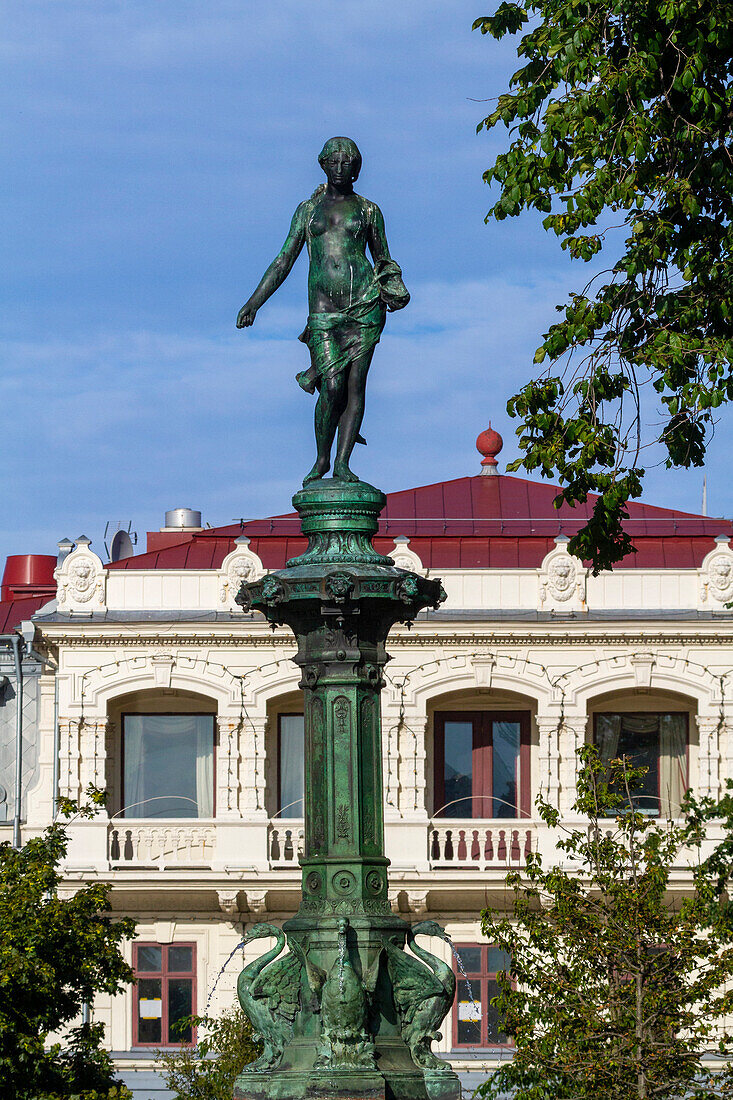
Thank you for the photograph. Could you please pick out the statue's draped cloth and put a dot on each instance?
(335, 340)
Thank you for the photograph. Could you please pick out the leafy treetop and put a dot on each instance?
(621, 123)
(55, 954)
(619, 983)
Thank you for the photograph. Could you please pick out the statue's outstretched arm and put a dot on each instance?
(278, 270)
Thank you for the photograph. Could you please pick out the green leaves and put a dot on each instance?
(622, 115)
(54, 955)
(617, 988)
(208, 1070)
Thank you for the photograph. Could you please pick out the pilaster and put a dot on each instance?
(228, 769)
(549, 758)
(69, 758)
(571, 739)
(253, 756)
(92, 743)
(708, 756)
(412, 767)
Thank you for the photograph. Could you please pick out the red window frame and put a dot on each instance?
(168, 714)
(164, 975)
(479, 980)
(483, 759)
(280, 807)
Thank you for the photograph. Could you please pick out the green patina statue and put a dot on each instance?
(347, 1004)
(347, 300)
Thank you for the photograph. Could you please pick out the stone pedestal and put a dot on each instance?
(347, 1011)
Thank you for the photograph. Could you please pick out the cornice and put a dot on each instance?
(402, 641)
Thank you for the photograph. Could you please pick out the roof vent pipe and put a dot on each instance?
(182, 518)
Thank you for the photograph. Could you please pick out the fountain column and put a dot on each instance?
(347, 1011)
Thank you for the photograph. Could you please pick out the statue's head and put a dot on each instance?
(340, 159)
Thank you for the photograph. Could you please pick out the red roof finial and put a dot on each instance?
(489, 443)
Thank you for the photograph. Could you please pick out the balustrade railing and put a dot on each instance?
(479, 845)
(161, 844)
(285, 841)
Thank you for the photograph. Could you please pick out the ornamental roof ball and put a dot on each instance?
(488, 444)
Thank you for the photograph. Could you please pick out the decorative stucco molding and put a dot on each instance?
(81, 580)
(562, 580)
(404, 558)
(417, 901)
(716, 575)
(256, 901)
(228, 901)
(239, 566)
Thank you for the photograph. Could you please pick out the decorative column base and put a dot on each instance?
(347, 1012)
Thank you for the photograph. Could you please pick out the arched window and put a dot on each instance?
(168, 765)
(482, 763)
(161, 763)
(655, 740)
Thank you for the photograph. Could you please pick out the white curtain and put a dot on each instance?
(672, 762)
(292, 762)
(133, 754)
(204, 766)
(608, 731)
(168, 765)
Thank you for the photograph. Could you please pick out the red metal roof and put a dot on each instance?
(471, 522)
(14, 612)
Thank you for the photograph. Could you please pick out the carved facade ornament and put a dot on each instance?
(81, 580)
(162, 664)
(404, 558)
(256, 901)
(228, 901)
(716, 574)
(241, 566)
(417, 901)
(562, 580)
(643, 666)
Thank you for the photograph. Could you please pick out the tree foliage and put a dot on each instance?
(617, 985)
(621, 122)
(207, 1070)
(55, 954)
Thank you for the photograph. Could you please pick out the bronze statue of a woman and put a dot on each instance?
(347, 300)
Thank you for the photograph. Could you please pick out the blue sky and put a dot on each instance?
(153, 155)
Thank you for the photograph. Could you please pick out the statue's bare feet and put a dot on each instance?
(320, 467)
(341, 472)
(306, 379)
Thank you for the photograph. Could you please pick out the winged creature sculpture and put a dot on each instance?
(423, 993)
(345, 1042)
(269, 993)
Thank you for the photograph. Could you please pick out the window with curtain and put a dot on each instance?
(482, 764)
(168, 765)
(657, 742)
(291, 763)
(164, 996)
(476, 1022)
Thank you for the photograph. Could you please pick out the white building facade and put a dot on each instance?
(188, 712)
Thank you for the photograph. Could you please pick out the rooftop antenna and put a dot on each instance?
(704, 494)
(123, 539)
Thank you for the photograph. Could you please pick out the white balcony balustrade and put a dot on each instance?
(162, 844)
(285, 843)
(479, 845)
